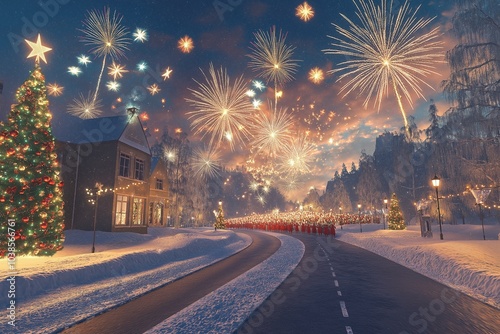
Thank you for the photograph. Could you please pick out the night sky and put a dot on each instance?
(340, 128)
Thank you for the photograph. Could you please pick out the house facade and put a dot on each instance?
(113, 152)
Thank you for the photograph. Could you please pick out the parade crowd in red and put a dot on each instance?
(321, 223)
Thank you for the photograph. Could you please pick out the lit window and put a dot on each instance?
(121, 210)
(159, 184)
(138, 211)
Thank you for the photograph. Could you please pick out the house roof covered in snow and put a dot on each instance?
(123, 128)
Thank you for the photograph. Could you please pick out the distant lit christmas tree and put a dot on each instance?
(395, 218)
(220, 222)
(30, 187)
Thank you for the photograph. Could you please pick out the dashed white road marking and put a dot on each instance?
(344, 309)
(339, 293)
(348, 329)
(333, 274)
(336, 283)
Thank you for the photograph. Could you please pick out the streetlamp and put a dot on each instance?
(435, 183)
(385, 213)
(97, 189)
(359, 213)
(341, 218)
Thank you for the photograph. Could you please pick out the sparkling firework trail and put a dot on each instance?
(166, 74)
(85, 107)
(113, 86)
(154, 89)
(221, 109)
(106, 36)
(385, 50)
(84, 60)
(206, 163)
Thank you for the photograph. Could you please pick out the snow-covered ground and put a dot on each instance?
(52, 293)
(463, 260)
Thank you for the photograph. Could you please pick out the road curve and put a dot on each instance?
(146, 311)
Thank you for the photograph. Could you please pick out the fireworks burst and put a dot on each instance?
(271, 58)
(221, 109)
(385, 51)
(54, 89)
(185, 44)
(85, 107)
(84, 60)
(167, 73)
(272, 133)
(142, 66)
(316, 75)
(74, 70)
(304, 11)
(298, 157)
(206, 163)
(116, 70)
(154, 89)
(113, 86)
(140, 35)
(105, 34)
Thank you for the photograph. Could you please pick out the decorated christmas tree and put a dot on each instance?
(220, 223)
(395, 218)
(31, 205)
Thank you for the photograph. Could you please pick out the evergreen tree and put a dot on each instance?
(395, 218)
(30, 187)
(220, 222)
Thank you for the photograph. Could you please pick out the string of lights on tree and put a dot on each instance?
(30, 185)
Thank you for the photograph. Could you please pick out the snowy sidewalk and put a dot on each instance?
(81, 284)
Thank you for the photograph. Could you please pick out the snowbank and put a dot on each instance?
(53, 293)
(463, 260)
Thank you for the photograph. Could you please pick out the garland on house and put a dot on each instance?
(30, 187)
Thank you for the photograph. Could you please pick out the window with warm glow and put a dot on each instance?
(121, 210)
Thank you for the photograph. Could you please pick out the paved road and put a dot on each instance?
(147, 311)
(340, 288)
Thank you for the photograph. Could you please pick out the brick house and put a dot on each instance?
(114, 152)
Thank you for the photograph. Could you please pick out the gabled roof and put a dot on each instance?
(79, 131)
(121, 128)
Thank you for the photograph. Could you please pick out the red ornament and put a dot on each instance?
(46, 178)
(10, 151)
(14, 133)
(52, 182)
(25, 219)
(43, 225)
(2, 199)
(50, 195)
(61, 184)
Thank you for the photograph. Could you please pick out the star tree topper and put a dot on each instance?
(38, 50)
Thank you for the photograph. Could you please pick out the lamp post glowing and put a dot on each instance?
(97, 189)
(385, 213)
(340, 209)
(435, 183)
(359, 214)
